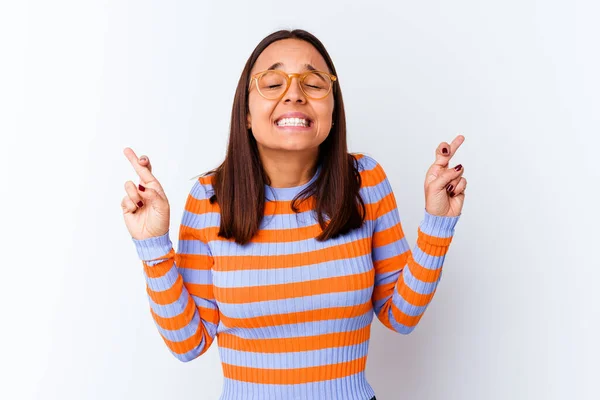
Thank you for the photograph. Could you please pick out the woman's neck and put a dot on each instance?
(289, 168)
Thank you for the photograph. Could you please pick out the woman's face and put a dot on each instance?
(294, 56)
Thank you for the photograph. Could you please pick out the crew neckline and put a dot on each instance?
(288, 193)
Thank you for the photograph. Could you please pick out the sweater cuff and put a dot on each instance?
(439, 226)
(154, 247)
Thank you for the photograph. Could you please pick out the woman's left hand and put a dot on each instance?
(445, 187)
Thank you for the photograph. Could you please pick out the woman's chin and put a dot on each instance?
(291, 144)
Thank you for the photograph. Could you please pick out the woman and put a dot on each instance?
(291, 296)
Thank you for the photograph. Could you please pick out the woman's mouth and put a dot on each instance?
(294, 123)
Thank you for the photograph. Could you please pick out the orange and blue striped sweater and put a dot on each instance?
(292, 315)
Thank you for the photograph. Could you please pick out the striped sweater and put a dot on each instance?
(292, 315)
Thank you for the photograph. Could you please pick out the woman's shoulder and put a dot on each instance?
(203, 185)
(371, 170)
(365, 162)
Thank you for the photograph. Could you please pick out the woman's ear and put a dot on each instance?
(248, 121)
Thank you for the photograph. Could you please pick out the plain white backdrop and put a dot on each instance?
(516, 315)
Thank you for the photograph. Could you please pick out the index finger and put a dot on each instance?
(143, 172)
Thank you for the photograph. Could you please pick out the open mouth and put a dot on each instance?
(294, 122)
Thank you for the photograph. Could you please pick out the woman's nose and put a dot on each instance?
(294, 92)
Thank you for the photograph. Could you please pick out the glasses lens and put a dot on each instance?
(316, 84)
(272, 84)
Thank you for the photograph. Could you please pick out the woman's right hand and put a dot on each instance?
(151, 218)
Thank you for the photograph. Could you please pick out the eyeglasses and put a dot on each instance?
(274, 84)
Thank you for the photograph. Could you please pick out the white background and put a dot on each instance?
(516, 313)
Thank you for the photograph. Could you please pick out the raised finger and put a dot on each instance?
(445, 151)
(145, 162)
(133, 193)
(142, 171)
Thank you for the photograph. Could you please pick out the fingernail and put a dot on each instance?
(449, 187)
(451, 194)
(143, 159)
(139, 203)
(458, 167)
(445, 150)
(141, 188)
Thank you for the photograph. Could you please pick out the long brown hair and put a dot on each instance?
(239, 181)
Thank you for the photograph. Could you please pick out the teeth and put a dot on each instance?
(293, 122)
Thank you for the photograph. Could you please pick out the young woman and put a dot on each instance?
(290, 246)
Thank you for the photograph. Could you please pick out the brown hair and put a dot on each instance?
(239, 181)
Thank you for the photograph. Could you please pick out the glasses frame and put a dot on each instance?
(288, 77)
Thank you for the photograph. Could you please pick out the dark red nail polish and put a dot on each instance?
(139, 203)
(449, 187)
(141, 188)
(445, 150)
(458, 167)
(451, 194)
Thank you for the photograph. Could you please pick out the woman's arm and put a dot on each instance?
(405, 280)
(179, 285)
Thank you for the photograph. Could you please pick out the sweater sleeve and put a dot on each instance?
(179, 285)
(405, 280)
